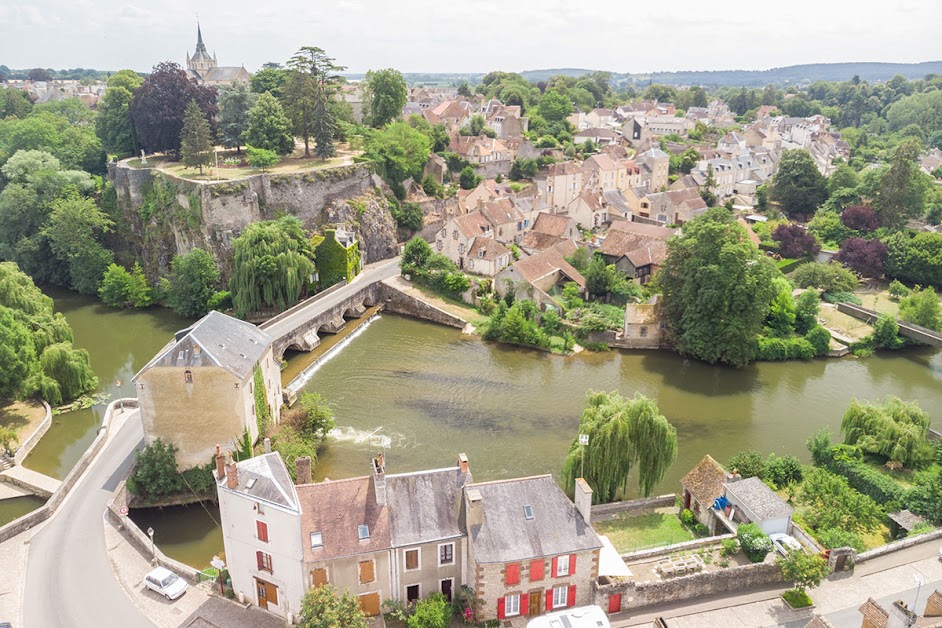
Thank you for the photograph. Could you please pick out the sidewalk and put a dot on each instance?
(13, 556)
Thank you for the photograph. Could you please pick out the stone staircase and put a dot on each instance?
(5, 462)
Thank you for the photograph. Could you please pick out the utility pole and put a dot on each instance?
(583, 441)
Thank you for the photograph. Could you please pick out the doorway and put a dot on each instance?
(533, 604)
(267, 593)
(446, 588)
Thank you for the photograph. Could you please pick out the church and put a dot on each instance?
(206, 70)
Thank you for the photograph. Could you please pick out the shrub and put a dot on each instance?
(886, 333)
(898, 290)
(754, 542)
(408, 216)
(220, 301)
(922, 308)
(820, 339)
(782, 471)
(819, 446)
(432, 612)
(827, 277)
(748, 464)
(795, 241)
(155, 471)
(832, 538)
(262, 158)
(728, 547)
(687, 517)
(797, 599)
(771, 349)
(864, 257)
(868, 481)
(841, 297)
(860, 218)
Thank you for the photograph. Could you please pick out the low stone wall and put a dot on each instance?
(120, 499)
(895, 546)
(42, 513)
(30, 442)
(398, 302)
(804, 538)
(640, 594)
(300, 305)
(676, 547)
(601, 512)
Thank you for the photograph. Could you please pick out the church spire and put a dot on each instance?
(200, 47)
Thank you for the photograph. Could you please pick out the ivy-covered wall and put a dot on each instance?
(335, 262)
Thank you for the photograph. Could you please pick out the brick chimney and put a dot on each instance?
(463, 463)
(475, 514)
(220, 464)
(232, 473)
(378, 479)
(302, 468)
(584, 499)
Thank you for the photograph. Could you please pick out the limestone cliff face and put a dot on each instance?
(168, 216)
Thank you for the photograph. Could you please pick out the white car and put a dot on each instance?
(785, 544)
(168, 584)
(580, 617)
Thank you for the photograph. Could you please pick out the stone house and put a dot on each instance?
(636, 256)
(481, 150)
(529, 549)
(535, 277)
(549, 230)
(589, 210)
(560, 184)
(600, 118)
(657, 163)
(508, 223)
(644, 325)
(469, 241)
(673, 206)
(700, 487)
(752, 501)
(199, 389)
(599, 137)
(612, 175)
(338, 257)
(505, 120)
(667, 125)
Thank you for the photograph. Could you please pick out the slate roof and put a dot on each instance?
(705, 481)
(214, 340)
(269, 479)
(227, 74)
(906, 520)
(424, 506)
(762, 502)
(617, 200)
(507, 536)
(336, 508)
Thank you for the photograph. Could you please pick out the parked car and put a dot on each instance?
(784, 543)
(168, 584)
(579, 617)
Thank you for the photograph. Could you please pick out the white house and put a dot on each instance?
(752, 501)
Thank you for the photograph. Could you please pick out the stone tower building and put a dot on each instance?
(205, 69)
(200, 63)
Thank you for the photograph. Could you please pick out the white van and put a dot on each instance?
(581, 617)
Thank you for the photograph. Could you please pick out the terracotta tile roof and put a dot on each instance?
(549, 261)
(486, 248)
(562, 168)
(648, 231)
(536, 241)
(552, 224)
(819, 622)
(501, 212)
(602, 162)
(336, 508)
(873, 614)
(752, 234)
(472, 224)
(653, 254)
(934, 605)
(705, 481)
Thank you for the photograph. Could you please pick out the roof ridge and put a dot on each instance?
(506, 480)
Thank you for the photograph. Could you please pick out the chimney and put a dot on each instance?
(735, 477)
(266, 444)
(220, 464)
(584, 499)
(475, 514)
(232, 473)
(463, 463)
(302, 468)
(378, 479)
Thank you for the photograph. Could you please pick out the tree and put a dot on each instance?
(864, 257)
(708, 189)
(399, 152)
(193, 278)
(831, 277)
(155, 472)
(235, 102)
(922, 308)
(113, 122)
(554, 106)
(748, 464)
(795, 241)
(798, 186)
(17, 354)
(717, 289)
(196, 147)
(74, 230)
(408, 216)
(623, 434)
(14, 103)
(902, 192)
(262, 158)
(312, 82)
(120, 288)
(914, 258)
(832, 503)
(828, 227)
(269, 80)
(599, 277)
(860, 218)
(268, 127)
(806, 311)
(804, 570)
(272, 265)
(893, 429)
(384, 93)
(432, 612)
(325, 607)
(415, 255)
(73, 142)
(318, 415)
(158, 106)
(468, 179)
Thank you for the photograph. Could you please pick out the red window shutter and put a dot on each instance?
(262, 529)
(555, 564)
(572, 564)
(513, 573)
(260, 560)
(524, 604)
(571, 596)
(536, 570)
(500, 608)
(549, 599)
(614, 603)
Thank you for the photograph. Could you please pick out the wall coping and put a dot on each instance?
(33, 439)
(677, 547)
(902, 544)
(301, 305)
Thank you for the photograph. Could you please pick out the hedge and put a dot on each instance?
(784, 349)
(868, 481)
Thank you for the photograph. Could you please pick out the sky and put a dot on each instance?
(472, 36)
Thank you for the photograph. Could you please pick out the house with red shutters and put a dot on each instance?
(530, 549)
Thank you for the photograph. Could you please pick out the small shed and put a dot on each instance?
(701, 486)
(755, 502)
(903, 522)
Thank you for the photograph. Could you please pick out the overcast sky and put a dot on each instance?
(472, 36)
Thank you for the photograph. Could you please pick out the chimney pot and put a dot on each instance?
(232, 473)
(378, 479)
(463, 463)
(302, 468)
(267, 445)
(220, 464)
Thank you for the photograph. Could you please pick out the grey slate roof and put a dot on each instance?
(424, 506)
(507, 536)
(762, 501)
(272, 484)
(226, 73)
(215, 340)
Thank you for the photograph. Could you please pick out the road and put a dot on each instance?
(371, 273)
(69, 581)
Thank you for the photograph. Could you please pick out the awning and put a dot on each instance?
(610, 562)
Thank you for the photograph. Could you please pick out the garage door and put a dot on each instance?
(369, 603)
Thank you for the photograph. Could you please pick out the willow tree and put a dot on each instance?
(70, 368)
(893, 429)
(273, 261)
(623, 434)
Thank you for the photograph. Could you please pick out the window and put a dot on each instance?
(319, 577)
(454, 234)
(461, 249)
(512, 605)
(528, 512)
(264, 561)
(562, 566)
(259, 508)
(439, 245)
(367, 572)
(187, 376)
(363, 532)
(412, 559)
(560, 596)
(317, 539)
(643, 331)
(446, 554)
(412, 593)
(261, 531)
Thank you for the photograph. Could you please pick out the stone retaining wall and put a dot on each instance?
(30, 442)
(601, 512)
(676, 547)
(899, 545)
(397, 302)
(263, 325)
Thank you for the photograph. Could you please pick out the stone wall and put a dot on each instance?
(398, 302)
(895, 546)
(601, 512)
(31, 442)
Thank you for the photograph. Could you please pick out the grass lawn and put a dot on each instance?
(23, 417)
(844, 324)
(290, 164)
(797, 599)
(879, 301)
(629, 533)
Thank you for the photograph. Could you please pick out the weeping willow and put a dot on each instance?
(893, 429)
(623, 434)
(272, 263)
(69, 368)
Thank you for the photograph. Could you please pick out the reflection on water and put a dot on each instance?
(16, 507)
(189, 534)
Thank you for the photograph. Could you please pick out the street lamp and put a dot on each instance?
(153, 550)
(583, 441)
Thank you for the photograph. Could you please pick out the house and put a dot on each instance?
(549, 230)
(508, 223)
(454, 114)
(636, 256)
(657, 163)
(260, 516)
(338, 257)
(753, 501)
(199, 389)
(667, 125)
(612, 175)
(506, 120)
(480, 149)
(535, 277)
(529, 549)
(560, 184)
(599, 137)
(899, 615)
(673, 206)
(589, 210)
(700, 487)
(487, 257)
(469, 241)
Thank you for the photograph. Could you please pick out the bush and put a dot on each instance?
(841, 297)
(819, 446)
(797, 599)
(432, 612)
(886, 333)
(408, 216)
(864, 257)
(749, 464)
(782, 471)
(832, 538)
(868, 481)
(728, 547)
(771, 349)
(220, 301)
(262, 158)
(155, 471)
(898, 290)
(820, 339)
(687, 517)
(755, 543)
(827, 277)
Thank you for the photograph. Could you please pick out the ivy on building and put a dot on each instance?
(336, 262)
(262, 411)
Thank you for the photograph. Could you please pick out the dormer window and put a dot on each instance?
(317, 539)
(363, 532)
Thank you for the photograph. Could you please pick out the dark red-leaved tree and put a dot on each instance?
(158, 105)
(864, 257)
(860, 218)
(795, 241)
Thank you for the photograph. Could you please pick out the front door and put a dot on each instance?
(534, 605)
(446, 589)
(267, 593)
(412, 593)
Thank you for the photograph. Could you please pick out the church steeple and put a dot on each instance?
(200, 47)
(200, 62)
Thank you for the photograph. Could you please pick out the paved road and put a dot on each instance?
(371, 273)
(69, 581)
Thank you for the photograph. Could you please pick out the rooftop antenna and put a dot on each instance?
(378, 440)
(583, 441)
